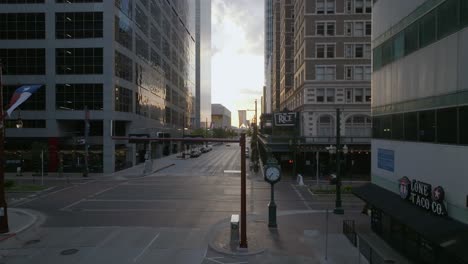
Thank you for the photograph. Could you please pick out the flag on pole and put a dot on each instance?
(21, 95)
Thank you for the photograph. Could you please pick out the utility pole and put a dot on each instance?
(243, 220)
(338, 208)
(3, 205)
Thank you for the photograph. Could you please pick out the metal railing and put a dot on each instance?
(314, 140)
(349, 231)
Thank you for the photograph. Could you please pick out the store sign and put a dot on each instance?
(285, 119)
(421, 194)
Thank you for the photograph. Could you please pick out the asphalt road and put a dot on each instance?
(160, 218)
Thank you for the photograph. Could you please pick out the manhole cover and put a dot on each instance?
(70, 251)
(30, 242)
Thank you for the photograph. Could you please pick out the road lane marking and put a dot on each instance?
(43, 196)
(300, 196)
(146, 248)
(231, 171)
(66, 208)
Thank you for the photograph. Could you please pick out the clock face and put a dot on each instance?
(272, 173)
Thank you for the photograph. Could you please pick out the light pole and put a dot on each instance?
(3, 205)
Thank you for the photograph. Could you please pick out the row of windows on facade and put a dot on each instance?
(351, 28)
(355, 126)
(43, 1)
(331, 95)
(446, 19)
(447, 126)
(359, 51)
(78, 96)
(352, 72)
(124, 70)
(72, 25)
(159, 18)
(67, 61)
(351, 6)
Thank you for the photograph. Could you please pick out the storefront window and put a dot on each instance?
(397, 235)
(412, 243)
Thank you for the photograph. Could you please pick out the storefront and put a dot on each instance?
(416, 223)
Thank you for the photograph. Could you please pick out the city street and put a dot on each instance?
(164, 217)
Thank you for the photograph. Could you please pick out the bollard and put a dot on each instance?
(18, 171)
(235, 228)
(300, 180)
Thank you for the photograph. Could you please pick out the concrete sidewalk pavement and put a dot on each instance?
(301, 237)
(19, 220)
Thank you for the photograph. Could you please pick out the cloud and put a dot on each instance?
(250, 91)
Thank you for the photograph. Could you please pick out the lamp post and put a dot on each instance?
(338, 149)
(3, 205)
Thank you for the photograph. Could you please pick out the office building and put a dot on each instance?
(243, 122)
(419, 197)
(130, 63)
(221, 116)
(203, 64)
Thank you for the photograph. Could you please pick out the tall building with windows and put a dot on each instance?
(275, 57)
(286, 51)
(420, 129)
(203, 64)
(268, 50)
(130, 63)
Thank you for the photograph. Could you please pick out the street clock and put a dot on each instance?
(272, 171)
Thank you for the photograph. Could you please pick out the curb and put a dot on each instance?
(33, 220)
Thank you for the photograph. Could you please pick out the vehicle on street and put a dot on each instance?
(247, 152)
(195, 153)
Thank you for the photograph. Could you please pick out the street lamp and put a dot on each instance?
(332, 150)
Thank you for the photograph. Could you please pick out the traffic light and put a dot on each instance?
(291, 161)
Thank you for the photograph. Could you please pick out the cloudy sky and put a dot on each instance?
(237, 54)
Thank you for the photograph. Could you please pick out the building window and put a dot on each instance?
(411, 126)
(79, 61)
(463, 125)
(348, 28)
(358, 29)
(330, 6)
(78, 25)
(325, 73)
(123, 99)
(359, 51)
(76, 96)
(155, 37)
(320, 6)
(141, 20)
(329, 26)
(359, 73)
(359, 6)
(141, 47)
(320, 93)
(447, 125)
(330, 95)
(77, 1)
(464, 13)
(427, 29)
(411, 38)
(155, 59)
(367, 73)
(349, 50)
(325, 126)
(348, 72)
(23, 61)
(123, 67)
(368, 95)
(427, 126)
(123, 32)
(358, 126)
(331, 29)
(358, 95)
(156, 12)
(126, 6)
(21, 1)
(368, 28)
(37, 101)
(22, 26)
(368, 6)
(325, 50)
(349, 95)
(349, 6)
(447, 18)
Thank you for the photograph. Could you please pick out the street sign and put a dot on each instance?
(285, 119)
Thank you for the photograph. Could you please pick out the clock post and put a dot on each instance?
(272, 175)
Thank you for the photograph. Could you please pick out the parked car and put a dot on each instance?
(247, 152)
(195, 153)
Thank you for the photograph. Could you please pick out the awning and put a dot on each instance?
(443, 231)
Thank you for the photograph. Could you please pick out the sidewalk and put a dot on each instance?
(300, 237)
(18, 221)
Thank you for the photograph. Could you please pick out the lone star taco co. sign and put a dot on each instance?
(421, 194)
